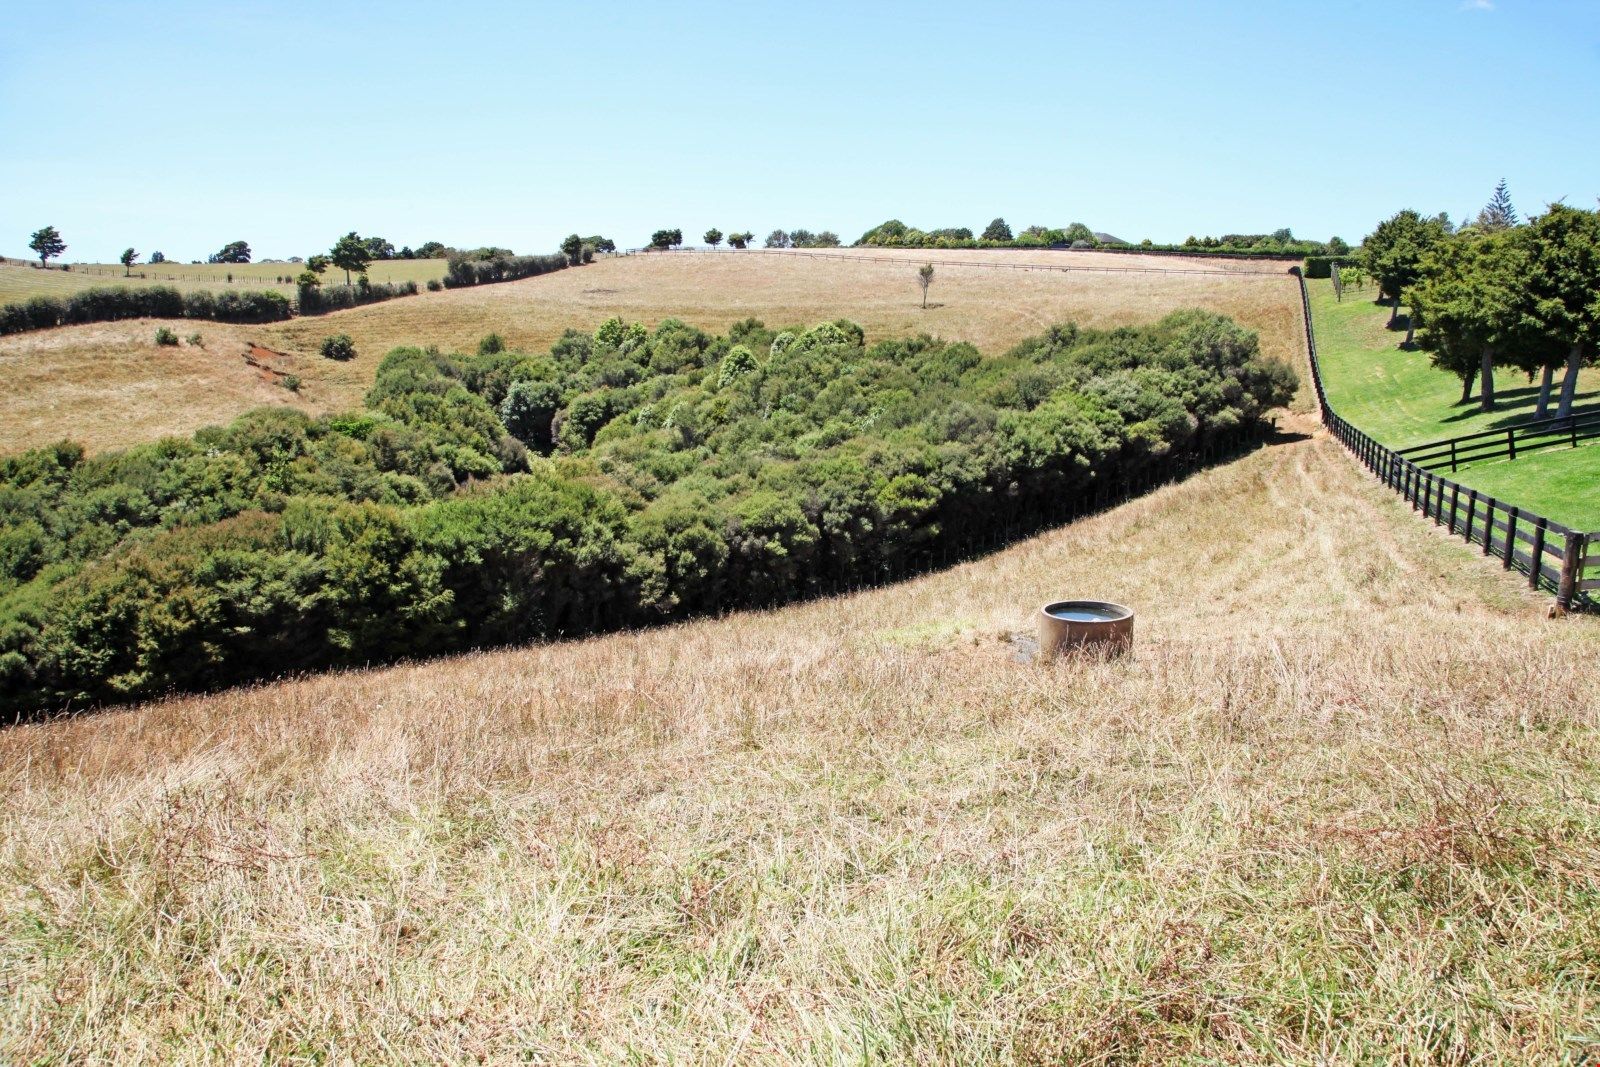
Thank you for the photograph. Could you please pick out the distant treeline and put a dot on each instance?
(998, 234)
(625, 477)
(111, 303)
(116, 302)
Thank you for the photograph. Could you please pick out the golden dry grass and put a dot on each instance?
(109, 385)
(1341, 805)
(20, 280)
(136, 395)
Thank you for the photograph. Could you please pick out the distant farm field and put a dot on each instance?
(993, 308)
(19, 280)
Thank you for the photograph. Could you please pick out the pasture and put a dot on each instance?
(20, 280)
(991, 308)
(1402, 400)
(1332, 808)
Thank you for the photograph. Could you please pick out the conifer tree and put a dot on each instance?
(1499, 214)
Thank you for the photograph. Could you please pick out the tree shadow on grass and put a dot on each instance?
(1516, 406)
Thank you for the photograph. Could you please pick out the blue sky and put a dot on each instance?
(181, 126)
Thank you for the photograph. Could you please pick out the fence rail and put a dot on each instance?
(1554, 557)
(1571, 430)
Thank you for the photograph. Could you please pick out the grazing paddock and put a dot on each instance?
(1331, 809)
(992, 308)
(19, 281)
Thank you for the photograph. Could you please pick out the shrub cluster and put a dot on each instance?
(111, 303)
(320, 299)
(497, 265)
(624, 477)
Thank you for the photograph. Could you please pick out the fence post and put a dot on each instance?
(1455, 502)
(1538, 552)
(1511, 441)
(1571, 567)
(1472, 506)
(1488, 525)
(1452, 455)
(1511, 536)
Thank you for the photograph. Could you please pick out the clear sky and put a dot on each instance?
(182, 126)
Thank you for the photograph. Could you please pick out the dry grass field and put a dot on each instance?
(1341, 805)
(131, 391)
(19, 280)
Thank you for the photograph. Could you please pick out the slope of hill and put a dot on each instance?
(992, 308)
(20, 280)
(1333, 807)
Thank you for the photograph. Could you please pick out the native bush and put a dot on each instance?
(622, 477)
(339, 347)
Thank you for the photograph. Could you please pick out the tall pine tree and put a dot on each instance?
(1498, 214)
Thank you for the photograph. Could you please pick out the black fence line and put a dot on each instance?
(1532, 436)
(1553, 556)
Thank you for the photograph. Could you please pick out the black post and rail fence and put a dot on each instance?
(1562, 560)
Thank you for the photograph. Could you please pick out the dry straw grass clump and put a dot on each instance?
(1339, 805)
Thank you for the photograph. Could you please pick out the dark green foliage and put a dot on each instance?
(997, 231)
(112, 303)
(166, 338)
(46, 243)
(672, 472)
(497, 265)
(664, 239)
(314, 299)
(232, 252)
(339, 347)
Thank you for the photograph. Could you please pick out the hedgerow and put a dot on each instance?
(622, 478)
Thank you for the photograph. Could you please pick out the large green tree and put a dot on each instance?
(997, 230)
(1469, 305)
(47, 244)
(1563, 287)
(1392, 254)
(350, 253)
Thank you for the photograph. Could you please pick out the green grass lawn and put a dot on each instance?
(1400, 399)
(18, 281)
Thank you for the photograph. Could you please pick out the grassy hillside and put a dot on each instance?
(19, 280)
(1400, 399)
(992, 308)
(1340, 805)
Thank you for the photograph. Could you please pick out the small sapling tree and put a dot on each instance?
(128, 257)
(925, 279)
(47, 244)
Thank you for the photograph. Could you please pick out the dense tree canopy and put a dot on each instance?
(622, 477)
(232, 252)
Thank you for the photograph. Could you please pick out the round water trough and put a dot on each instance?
(1098, 625)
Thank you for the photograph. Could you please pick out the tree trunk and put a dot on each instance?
(1466, 387)
(1487, 374)
(1411, 329)
(1543, 410)
(347, 276)
(1394, 310)
(1569, 384)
